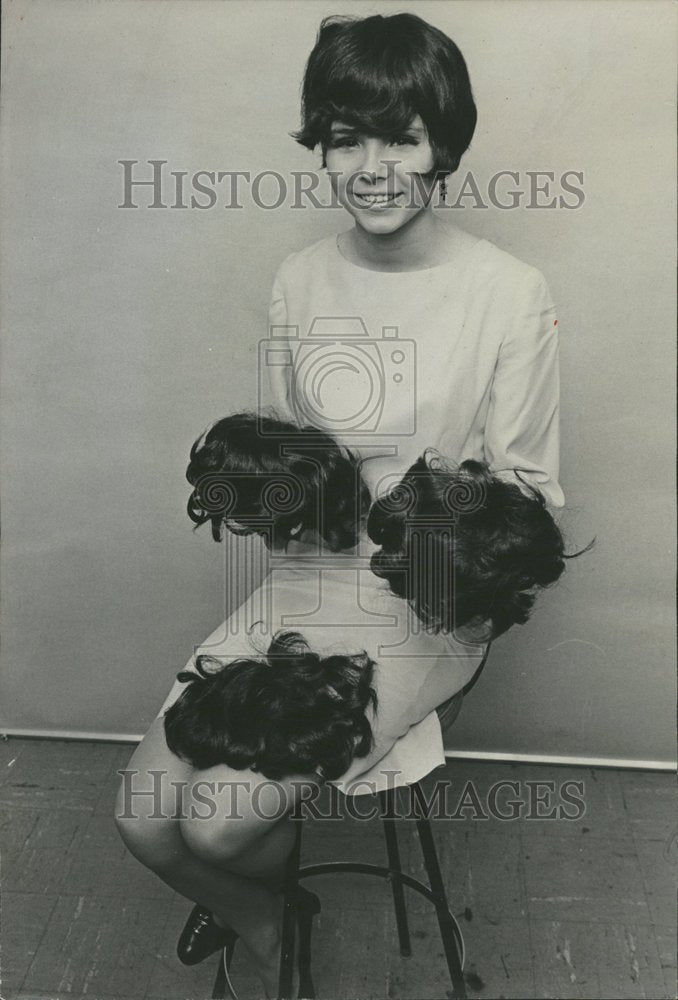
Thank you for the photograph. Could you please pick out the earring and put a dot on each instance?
(443, 188)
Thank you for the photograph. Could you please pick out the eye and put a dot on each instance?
(343, 142)
(404, 140)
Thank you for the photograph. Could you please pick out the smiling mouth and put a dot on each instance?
(375, 200)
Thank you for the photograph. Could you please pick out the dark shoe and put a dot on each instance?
(201, 937)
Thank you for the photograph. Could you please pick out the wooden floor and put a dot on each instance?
(548, 908)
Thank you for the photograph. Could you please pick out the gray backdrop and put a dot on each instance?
(127, 331)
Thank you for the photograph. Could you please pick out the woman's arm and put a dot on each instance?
(522, 430)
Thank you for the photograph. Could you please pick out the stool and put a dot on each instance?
(450, 932)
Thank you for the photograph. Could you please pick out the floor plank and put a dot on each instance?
(580, 879)
(42, 864)
(98, 944)
(583, 960)
(650, 800)
(547, 907)
(658, 863)
(483, 875)
(58, 774)
(121, 875)
(25, 916)
(666, 946)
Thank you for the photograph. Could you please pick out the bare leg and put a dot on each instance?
(265, 944)
(233, 867)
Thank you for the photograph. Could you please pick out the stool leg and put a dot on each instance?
(393, 853)
(306, 985)
(445, 923)
(223, 988)
(289, 918)
(219, 990)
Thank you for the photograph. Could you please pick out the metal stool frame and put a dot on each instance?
(450, 932)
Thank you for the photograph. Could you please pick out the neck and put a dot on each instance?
(310, 542)
(419, 244)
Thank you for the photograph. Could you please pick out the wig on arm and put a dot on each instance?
(292, 712)
(255, 473)
(465, 547)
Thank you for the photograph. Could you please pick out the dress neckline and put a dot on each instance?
(467, 252)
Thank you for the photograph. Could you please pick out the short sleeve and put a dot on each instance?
(522, 433)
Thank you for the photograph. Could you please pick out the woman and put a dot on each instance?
(387, 100)
(459, 552)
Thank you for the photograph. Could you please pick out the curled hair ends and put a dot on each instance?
(255, 473)
(471, 549)
(290, 712)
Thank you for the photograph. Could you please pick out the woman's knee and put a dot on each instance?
(156, 848)
(150, 800)
(215, 841)
(153, 837)
(227, 812)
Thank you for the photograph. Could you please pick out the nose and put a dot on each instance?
(376, 163)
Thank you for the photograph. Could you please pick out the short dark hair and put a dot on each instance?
(267, 475)
(377, 73)
(290, 712)
(464, 546)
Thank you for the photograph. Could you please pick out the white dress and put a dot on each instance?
(338, 604)
(462, 357)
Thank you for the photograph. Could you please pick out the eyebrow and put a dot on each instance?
(336, 129)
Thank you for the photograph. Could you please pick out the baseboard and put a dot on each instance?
(69, 734)
(621, 763)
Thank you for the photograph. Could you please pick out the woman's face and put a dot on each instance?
(381, 182)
